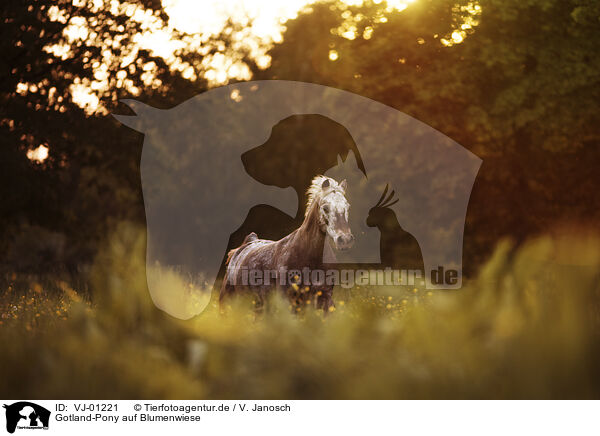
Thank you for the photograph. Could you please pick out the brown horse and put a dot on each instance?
(294, 264)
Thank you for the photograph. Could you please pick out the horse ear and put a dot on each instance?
(343, 185)
(325, 184)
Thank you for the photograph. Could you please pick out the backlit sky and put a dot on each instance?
(261, 23)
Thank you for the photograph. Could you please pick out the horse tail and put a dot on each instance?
(230, 254)
(251, 237)
(228, 288)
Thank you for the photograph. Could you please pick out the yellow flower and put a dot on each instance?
(331, 309)
(389, 306)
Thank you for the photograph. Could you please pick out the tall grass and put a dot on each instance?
(526, 327)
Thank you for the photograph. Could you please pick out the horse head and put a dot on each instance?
(333, 211)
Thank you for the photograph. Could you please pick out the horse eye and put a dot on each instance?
(326, 209)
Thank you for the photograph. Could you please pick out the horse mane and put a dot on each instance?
(315, 190)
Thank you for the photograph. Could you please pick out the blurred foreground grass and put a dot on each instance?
(527, 327)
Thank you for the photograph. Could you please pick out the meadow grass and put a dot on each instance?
(526, 327)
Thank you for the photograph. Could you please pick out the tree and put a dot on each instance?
(515, 82)
(65, 64)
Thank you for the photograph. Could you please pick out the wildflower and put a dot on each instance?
(331, 309)
(390, 298)
(388, 306)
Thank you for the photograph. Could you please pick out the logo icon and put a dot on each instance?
(216, 168)
(26, 415)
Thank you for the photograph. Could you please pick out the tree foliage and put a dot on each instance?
(514, 81)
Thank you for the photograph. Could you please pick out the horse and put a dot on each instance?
(260, 265)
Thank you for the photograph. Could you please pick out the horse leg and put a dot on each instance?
(325, 300)
(227, 289)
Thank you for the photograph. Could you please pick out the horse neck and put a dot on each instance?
(309, 238)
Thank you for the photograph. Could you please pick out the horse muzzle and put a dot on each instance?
(344, 242)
